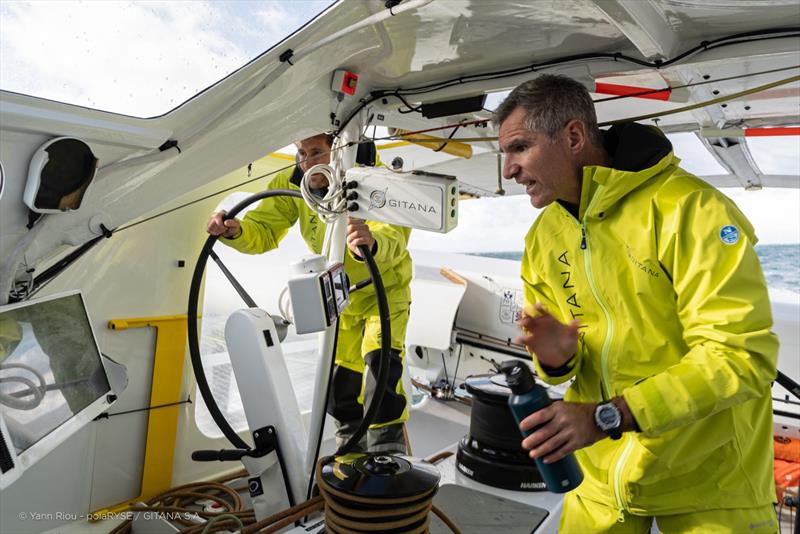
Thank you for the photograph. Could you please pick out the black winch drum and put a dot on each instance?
(377, 493)
(492, 452)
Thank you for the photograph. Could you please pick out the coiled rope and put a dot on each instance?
(232, 516)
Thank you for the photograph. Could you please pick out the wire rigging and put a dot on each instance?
(748, 37)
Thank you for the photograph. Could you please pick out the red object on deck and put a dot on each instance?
(772, 132)
(628, 90)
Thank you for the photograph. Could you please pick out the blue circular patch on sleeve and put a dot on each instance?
(729, 235)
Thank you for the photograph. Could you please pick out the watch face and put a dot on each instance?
(608, 416)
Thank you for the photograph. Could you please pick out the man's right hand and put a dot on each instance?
(230, 228)
(553, 342)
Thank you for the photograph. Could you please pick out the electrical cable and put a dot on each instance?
(444, 366)
(725, 98)
(322, 420)
(360, 285)
(444, 143)
(776, 33)
(458, 361)
(434, 129)
(385, 354)
(333, 204)
(411, 109)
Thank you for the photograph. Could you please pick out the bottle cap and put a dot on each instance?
(518, 376)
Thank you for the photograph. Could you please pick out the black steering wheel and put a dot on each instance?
(194, 342)
(194, 293)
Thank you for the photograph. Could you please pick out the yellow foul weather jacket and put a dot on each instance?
(660, 270)
(265, 226)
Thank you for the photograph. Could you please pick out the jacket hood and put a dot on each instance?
(634, 147)
(637, 153)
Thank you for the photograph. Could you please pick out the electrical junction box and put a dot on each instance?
(318, 294)
(344, 82)
(416, 199)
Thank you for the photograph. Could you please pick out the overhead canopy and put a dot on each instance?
(683, 52)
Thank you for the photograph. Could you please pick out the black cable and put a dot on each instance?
(488, 76)
(616, 56)
(210, 195)
(360, 285)
(458, 361)
(444, 144)
(383, 361)
(235, 186)
(398, 93)
(106, 415)
(776, 33)
(324, 409)
(194, 292)
(411, 109)
(54, 270)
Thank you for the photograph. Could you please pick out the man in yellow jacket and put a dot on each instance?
(359, 326)
(642, 284)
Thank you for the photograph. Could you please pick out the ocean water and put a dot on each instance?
(781, 265)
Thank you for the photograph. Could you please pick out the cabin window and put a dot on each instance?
(145, 58)
(60, 172)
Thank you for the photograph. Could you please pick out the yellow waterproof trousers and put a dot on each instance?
(358, 348)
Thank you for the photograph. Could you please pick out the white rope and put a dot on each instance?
(333, 203)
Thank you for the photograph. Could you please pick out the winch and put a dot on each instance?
(377, 492)
(492, 452)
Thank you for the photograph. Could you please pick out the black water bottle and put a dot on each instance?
(528, 397)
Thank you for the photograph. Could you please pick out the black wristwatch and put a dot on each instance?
(608, 418)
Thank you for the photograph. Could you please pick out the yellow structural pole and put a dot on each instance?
(162, 424)
(437, 144)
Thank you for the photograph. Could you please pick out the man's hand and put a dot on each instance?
(564, 427)
(358, 234)
(230, 228)
(553, 342)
